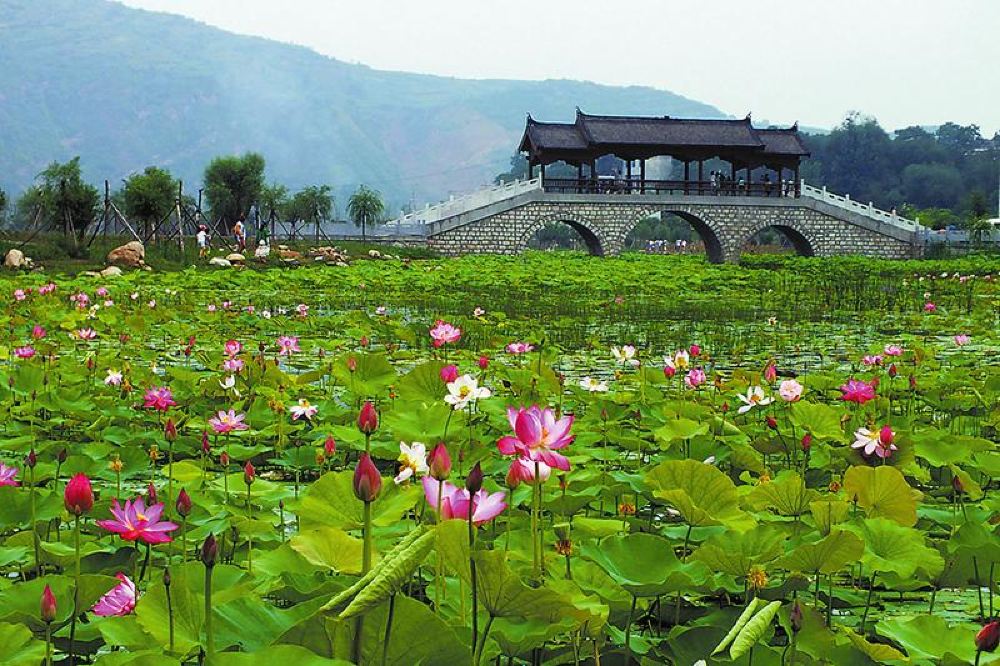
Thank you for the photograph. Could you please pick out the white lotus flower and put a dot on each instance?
(754, 398)
(625, 355)
(413, 459)
(593, 385)
(464, 390)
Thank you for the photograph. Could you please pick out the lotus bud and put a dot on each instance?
(368, 418)
(913, 383)
(116, 464)
(224, 459)
(166, 577)
(795, 617)
(31, 459)
(78, 497)
(807, 440)
(514, 475)
(957, 485)
(90, 363)
(439, 462)
(988, 637)
(61, 456)
(249, 473)
(364, 341)
(329, 446)
(725, 407)
(474, 482)
(48, 606)
(772, 422)
(183, 503)
(770, 372)
(150, 494)
(352, 364)
(669, 371)
(695, 350)
(367, 480)
(209, 551)
(205, 448)
(886, 435)
(893, 371)
(449, 373)
(170, 430)
(484, 362)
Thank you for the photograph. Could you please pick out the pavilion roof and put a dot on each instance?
(638, 136)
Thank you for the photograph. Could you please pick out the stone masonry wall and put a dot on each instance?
(724, 228)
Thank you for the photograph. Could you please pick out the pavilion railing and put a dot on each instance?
(671, 187)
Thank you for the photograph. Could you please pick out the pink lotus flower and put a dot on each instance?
(695, 350)
(37, 332)
(455, 502)
(24, 352)
(19, 295)
(225, 422)
(46, 289)
(159, 398)
(893, 350)
(81, 300)
(857, 391)
(7, 475)
(302, 309)
(234, 365)
(211, 307)
(303, 410)
(770, 372)
(449, 373)
(537, 434)
(232, 348)
(962, 339)
(520, 347)
(288, 345)
(135, 521)
(880, 443)
(102, 292)
(695, 378)
(85, 334)
(790, 390)
(443, 333)
(929, 307)
(120, 600)
(523, 471)
(872, 359)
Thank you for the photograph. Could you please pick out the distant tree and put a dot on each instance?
(273, 197)
(932, 185)
(310, 204)
(960, 140)
(932, 218)
(3, 205)
(232, 184)
(976, 205)
(857, 157)
(365, 207)
(148, 197)
(63, 199)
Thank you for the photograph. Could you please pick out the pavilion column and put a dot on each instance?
(732, 180)
(701, 174)
(796, 185)
(628, 169)
(687, 176)
(531, 170)
(542, 173)
(749, 172)
(779, 171)
(642, 175)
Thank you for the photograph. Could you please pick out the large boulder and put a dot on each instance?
(236, 258)
(15, 259)
(129, 255)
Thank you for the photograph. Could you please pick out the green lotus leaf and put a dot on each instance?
(828, 555)
(828, 512)
(20, 647)
(277, 654)
(701, 493)
(883, 492)
(330, 502)
(331, 548)
(644, 564)
(890, 546)
(931, 637)
(787, 494)
(822, 421)
(371, 378)
(734, 552)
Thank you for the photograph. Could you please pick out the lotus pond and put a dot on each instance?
(547, 459)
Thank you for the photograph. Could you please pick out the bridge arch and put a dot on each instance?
(715, 250)
(795, 233)
(593, 237)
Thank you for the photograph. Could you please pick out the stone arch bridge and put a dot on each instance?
(502, 220)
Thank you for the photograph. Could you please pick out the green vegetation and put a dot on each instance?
(793, 464)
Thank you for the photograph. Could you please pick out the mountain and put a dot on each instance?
(126, 88)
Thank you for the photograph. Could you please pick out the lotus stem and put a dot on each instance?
(628, 632)
(388, 628)
(209, 638)
(48, 644)
(481, 646)
(472, 571)
(366, 565)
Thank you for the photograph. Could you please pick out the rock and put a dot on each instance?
(219, 261)
(289, 254)
(111, 271)
(374, 254)
(236, 258)
(14, 259)
(129, 255)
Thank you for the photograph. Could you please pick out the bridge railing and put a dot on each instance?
(868, 210)
(670, 187)
(473, 200)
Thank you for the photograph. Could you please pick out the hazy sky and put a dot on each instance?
(903, 61)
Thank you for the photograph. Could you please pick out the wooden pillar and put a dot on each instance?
(701, 174)
(795, 185)
(749, 171)
(779, 183)
(628, 169)
(732, 180)
(542, 173)
(687, 175)
(530, 170)
(642, 175)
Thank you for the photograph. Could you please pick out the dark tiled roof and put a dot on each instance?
(666, 131)
(782, 141)
(592, 133)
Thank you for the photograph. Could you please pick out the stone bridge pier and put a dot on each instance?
(724, 224)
